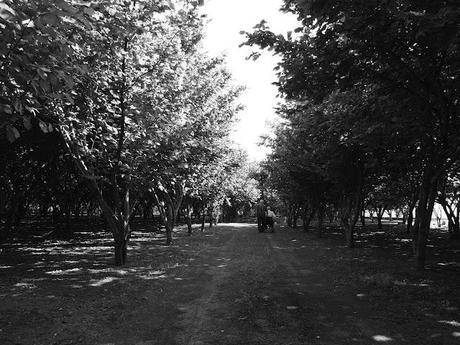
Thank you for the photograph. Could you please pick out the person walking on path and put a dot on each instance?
(270, 219)
(260, 213)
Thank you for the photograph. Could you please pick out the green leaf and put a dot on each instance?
(89, 11)
(63, 5)
(50, 19)
(171, 5)
(7, 13)
(12, 133)
(27, 122)
(6, 108)
(43, 126)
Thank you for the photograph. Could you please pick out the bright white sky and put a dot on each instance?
(226, 19)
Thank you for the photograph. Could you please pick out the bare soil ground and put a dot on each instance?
(229, 286)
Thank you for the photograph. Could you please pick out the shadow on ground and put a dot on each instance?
(229, 285)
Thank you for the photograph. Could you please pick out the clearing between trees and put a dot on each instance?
(229, 285)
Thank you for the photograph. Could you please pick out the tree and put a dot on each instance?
(449, 197)
(195, 125)
(407, 51)
(91, 71)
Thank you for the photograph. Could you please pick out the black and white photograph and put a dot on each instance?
(229, 172)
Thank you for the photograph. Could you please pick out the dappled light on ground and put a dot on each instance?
(85, 262)
(382, 338)
(229, 226)
(103, 281)
(451, 322)
(286, 287)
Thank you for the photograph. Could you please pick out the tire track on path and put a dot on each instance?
(197, 322)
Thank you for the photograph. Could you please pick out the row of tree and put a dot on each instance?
(111, 106)
(372, 112)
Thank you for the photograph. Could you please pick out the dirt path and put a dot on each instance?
(290, 288)
(228, 286)
(267, 289)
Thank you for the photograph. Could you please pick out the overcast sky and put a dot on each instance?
(226, 19)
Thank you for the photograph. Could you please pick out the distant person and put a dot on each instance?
(260, 213)
(270, 219)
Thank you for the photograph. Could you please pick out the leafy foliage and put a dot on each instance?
(372, 102)
(134, 107)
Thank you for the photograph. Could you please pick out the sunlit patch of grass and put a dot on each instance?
(103, 281)
(62, 272)
(452, 264)
(154, 277)
(232, 226)
(25, 285)
(108, 270)
(281, 248)
(451, 322)
(382, 338)
(170, 265)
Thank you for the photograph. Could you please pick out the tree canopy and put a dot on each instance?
(135, 109)
(372, 98)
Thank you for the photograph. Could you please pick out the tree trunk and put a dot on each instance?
(217, 217)
(169, 230)
(117, 218)
(68, 219)
(352, 216)
(351, 229)
(121, 247)
(211, 210)
(119, 226)
(294, 221)
(77, 210)
(305, 223)
(21, 209)
(379, 213)
(307, 219)
(410, 219)
(12, 214)
(349, 236)
(189, 219)
(319, 228)
(147, 210)
(454, 233)
(330, 215)
(169, 207)
(120, 229)
(203, 221)
(290, 216)
(457, 229)
(452, 218)
(189, 225)
(427, 195)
